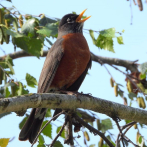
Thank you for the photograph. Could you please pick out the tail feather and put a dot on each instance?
(57, 111)
(32, 125)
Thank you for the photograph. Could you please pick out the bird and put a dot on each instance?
(65, 68)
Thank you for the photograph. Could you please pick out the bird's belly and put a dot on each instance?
(73, 64)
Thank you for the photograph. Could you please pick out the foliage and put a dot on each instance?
(4, 142)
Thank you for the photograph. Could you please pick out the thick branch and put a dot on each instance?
(64, 101)
(124, 63)
(115, 61)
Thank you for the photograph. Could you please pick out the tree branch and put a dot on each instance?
(93, 130)
(130, 65)
(66, 102)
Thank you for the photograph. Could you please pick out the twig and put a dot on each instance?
(45, 126)
(69, 140)
(128, 140)
(77, 142)
(59, 133)
(120, 132)
(93, 130)
(9, 11)
(127, 125)
(129, 79)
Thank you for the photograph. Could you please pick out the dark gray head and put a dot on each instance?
(72, 23)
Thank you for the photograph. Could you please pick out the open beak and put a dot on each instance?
(80, 16)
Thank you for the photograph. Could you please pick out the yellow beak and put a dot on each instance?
(80, 16)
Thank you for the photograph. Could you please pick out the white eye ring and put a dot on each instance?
(69, 20)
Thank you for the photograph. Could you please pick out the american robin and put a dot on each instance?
(65, 68)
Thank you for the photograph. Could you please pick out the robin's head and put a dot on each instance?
(72, 23)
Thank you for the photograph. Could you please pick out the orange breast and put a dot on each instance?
(73, 63)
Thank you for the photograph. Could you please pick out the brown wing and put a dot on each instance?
(51, 64)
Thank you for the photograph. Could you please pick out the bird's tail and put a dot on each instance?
(32, 125)
(57, 111)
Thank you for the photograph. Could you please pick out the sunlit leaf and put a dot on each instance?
(29, 27)
(143, 67)
(7, 92)
(47, 130)
(105, 43)
(140, 139)
(41, 140)
(4, 142)
(92, 36)
(63, 132)
(120, 40)
(57, 144)
(106, 124)
(50, 29)
(45, 20)
(48, 113)
(31, 81)
(108, 32)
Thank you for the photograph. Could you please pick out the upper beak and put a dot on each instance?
(80, 16)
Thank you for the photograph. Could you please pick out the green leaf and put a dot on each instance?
(29, 27)
(11, 67)
(9, 17)
(105, 43)
(48, 113)
(4, 114)
(39, 145)
(14, 34)
(57, 144)
(30, 45)
(108, 33)
(15, 24)
(21, 124)
(140, 139)
(141, 86)
(79, 114)
(8, 60)
(49, 30)
(41, 140)
(106, 124)
(142, 76)
(4, 142)
(143, 67)
(120, 40)
(92, 36)
(63, 132)
(127, 121)
(7, 92)
(131, 95)
(19, 91)
(45, 20)
(47, 130)
(31, 81)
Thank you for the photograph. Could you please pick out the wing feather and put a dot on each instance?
(50, 67)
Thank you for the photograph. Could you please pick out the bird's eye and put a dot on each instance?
(69, 20)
